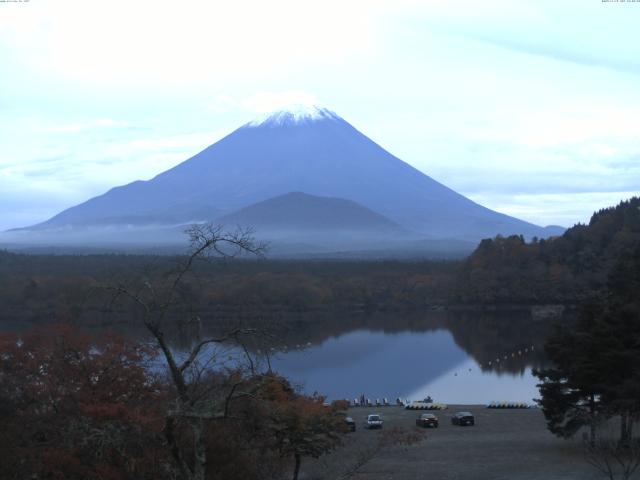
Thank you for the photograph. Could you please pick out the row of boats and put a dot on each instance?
(429, 404)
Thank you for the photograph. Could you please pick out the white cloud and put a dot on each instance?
(87, 125)
(183, 43)
(266, 102)
(262, 102)
(188, 142)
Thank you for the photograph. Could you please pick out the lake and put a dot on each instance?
(467, 357)
(456, 356)
(404, 364)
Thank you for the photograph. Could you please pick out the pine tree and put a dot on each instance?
(571, 390)
(596, 364)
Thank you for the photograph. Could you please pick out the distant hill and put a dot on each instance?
(312, 151)
(560, 269)
(297, 213)
(300, 225)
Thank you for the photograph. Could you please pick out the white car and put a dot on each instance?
(374, 421)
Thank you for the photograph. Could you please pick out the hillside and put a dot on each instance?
(560, 269)
(301, 212)
(300, 223)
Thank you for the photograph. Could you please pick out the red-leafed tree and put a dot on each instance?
(301, 425)
(73, 406)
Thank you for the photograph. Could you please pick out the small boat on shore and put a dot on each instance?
(420, 405)
(505, 404)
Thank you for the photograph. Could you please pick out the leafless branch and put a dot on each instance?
(200, 396)
(612, 459)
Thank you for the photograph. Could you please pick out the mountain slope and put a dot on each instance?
(300, 212)
(315, 152)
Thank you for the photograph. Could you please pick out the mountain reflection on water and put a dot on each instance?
(456, 355)
(405, 364)
(464, 356)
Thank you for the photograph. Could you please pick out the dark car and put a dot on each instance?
(427, 420)
(351, 424)
(463, 418)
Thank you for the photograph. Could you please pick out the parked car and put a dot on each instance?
(374, 421)
(351, 424)
(463, 418)
(427, 420)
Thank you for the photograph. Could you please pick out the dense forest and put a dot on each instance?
(563, 269)
(503, 270)
(72, 288)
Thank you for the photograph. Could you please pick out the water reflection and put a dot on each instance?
(409, 364)
(467, 383)
(454, 355)
(374, 363)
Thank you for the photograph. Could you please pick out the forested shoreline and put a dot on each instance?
(501, 271)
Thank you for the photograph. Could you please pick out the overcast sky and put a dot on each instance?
(531, 108)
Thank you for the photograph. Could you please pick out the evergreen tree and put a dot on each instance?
(571, 390)
(618, 329)
(596, 365)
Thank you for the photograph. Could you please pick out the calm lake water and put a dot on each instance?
(466, 356)
(408, 364)
(455, 356)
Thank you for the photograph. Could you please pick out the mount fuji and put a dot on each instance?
(336, 171)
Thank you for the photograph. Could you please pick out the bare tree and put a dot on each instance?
(613, 460)
(201, 395)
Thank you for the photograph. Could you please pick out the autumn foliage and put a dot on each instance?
(75, 406)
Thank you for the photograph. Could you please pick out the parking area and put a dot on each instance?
(509, 444)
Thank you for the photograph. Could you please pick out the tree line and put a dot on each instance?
(567, 269)
(42, 288)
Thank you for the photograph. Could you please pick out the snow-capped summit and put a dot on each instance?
(293, 115)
